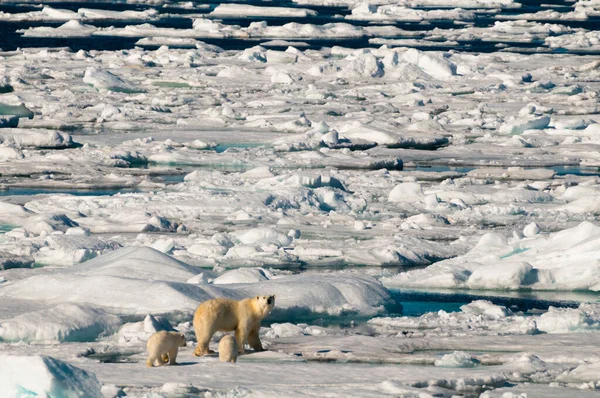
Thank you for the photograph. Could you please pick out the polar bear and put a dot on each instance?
(163, 346)
(227, 315)
(228, 349)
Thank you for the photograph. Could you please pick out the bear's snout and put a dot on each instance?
(269, 301)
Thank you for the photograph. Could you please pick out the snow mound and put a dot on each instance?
(282, 330)
(363, 64)
(7, 152)
(72, 247)
(141, 280)
(139, 263)
(65, 322)
(141, 331)
(406, 192)
(583, 373)
(563, 260)
(48, 223)
(104, 80)
(13, 214)
(432, 64)
(44, 376)
(398, 388)
(282, 78)
(504, 276)
(179, 390)
(132, 221)
(486, 308)
(333, 294)
(232, 72)
(121, 295)
(528, 363)
(259, 236)
(70, 29)
(360, 131)
(458, 359)
(243, 275)
(261, 172)
(586, 318)
(299, 180)
(126, 281)
(38, 138)
(531, 229)
(520, 125)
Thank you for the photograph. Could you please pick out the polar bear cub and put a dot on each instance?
(163, 346)
(227, 315)
(228, 349)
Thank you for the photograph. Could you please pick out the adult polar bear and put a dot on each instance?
(227, 315)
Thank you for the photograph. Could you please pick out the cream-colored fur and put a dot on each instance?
(227, 315)
(228, 349)
(163, 346)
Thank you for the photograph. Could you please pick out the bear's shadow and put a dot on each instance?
(185, 363)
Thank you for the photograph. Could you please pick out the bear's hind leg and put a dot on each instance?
(161, 360)
(203, 337)
(254, 339)
(202, 349)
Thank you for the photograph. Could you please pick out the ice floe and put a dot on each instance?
(244, 10)
(65, 322)
(114, 280)
(561, 260)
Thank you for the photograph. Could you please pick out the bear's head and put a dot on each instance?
(265, 304)
(182, 342)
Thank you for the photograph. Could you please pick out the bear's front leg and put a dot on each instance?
(173, 356)
(254, 339)
(241, 335)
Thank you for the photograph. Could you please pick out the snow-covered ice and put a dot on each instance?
(45, 376)
(561, 260)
